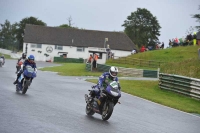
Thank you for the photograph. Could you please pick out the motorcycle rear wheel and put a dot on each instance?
(89, 110)
(107, 110)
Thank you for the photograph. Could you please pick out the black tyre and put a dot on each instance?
(89, 110)
(107, 110)
(25, 88)
(17, 89)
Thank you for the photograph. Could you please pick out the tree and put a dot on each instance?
(70, 21)
(21, 26)
(7, 35)
(69, 25)
(190, 30)
(197, 16)
(64, 26)
(142, 27)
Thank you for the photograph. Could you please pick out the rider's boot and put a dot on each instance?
(15, 82)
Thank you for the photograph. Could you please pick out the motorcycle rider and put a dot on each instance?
(111, 75)
(2, 56)
(30, 62)
(23, 58)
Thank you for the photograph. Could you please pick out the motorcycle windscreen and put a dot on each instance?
(113, 89)
(29, 72)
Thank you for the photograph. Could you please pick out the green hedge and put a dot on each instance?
(68, 60)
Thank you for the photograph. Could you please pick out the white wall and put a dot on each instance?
(121, 53)
(72, 52)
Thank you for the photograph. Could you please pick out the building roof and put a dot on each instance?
(75, 37)
(198, 35)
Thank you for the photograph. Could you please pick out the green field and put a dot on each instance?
(6, 56)
(71, 69)
(179, 60)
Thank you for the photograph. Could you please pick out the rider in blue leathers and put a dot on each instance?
(30, 62)
(112, 75)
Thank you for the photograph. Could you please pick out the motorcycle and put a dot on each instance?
(1, 62)
(110, 96)
(24, 80)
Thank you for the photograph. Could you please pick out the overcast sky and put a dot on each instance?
(174, 16)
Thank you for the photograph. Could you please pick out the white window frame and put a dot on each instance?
(58, 47)
(33, 46)
(37, 45)
(80, 49)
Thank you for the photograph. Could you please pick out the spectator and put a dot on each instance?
(194, 39)
(180, 41)
(157, 46)
(112, 56)
(90, 59)
(133, 51)
(142, 49)
(95, 58)
(175, 42)
(190, 37)
(109, 55)
(170, 43)
(162, 46)
(150, 47)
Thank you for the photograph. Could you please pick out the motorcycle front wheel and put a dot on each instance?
(89, 110)
(25, 87)
(107, 110)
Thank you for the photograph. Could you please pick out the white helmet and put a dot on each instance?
(113, 71)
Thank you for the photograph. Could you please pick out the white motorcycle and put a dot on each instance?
(1, 62)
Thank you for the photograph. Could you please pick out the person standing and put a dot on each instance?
(94, 63)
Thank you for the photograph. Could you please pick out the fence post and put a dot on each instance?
(199, 53)
(158, 71)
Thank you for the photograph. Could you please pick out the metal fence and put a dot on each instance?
(136, 62)
(181, 84)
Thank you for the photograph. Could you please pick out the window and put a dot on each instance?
(39, 45)
(33, 46)
(36, 45)
(58, 47)
(80, 49)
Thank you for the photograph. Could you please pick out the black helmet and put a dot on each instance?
(24, 55)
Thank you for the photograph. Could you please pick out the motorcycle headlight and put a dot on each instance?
(114, 93)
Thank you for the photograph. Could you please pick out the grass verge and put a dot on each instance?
(149, 90)
(6, 56)
(71, 69)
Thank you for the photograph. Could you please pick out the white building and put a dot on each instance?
(45, 43)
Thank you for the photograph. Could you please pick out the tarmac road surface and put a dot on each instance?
(55, 104)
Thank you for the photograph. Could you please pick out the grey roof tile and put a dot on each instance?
(83, 38)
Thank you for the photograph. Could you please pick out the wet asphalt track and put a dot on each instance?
(55, 104)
